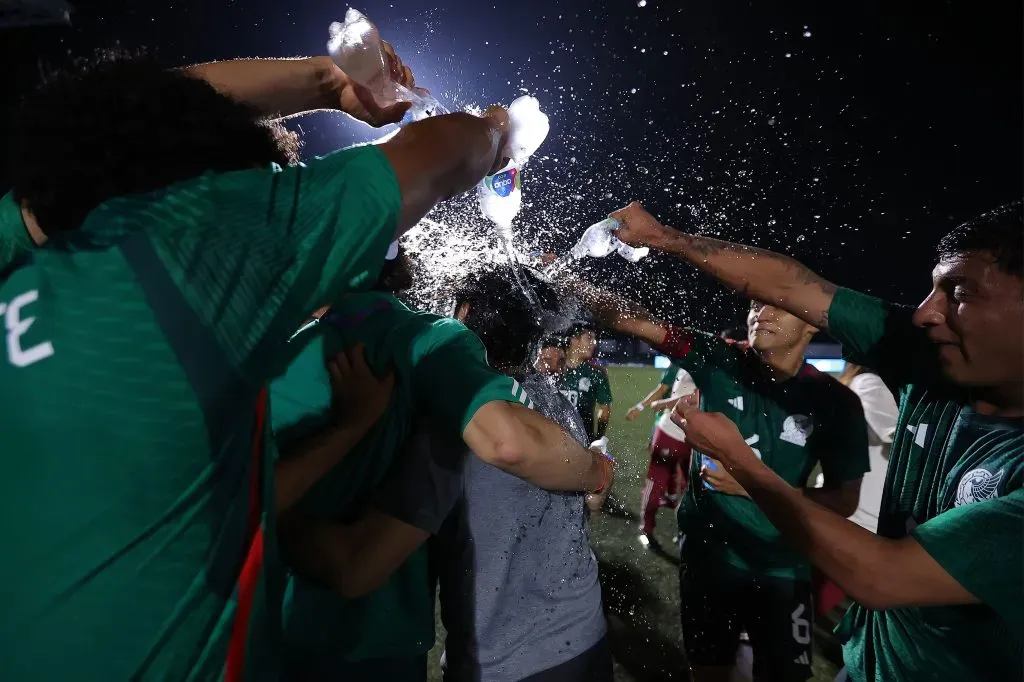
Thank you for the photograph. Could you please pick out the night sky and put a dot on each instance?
(850, 134)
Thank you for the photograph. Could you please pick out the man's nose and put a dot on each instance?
(930, 313)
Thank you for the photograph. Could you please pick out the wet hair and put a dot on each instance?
(397, 275)
(581, 329)
(502, 316)
(119, 124)
(554, 341)
(999, 233)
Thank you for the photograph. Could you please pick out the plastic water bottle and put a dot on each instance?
(599, 241)
(529, 127)
(501, 197)
(355, 46)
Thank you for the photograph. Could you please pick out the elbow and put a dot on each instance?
(847, 507)
(508, 455)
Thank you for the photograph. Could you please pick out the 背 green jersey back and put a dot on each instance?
(135, 351)
(398, 618)
(791, 425)
(954, 483)
(586, 386)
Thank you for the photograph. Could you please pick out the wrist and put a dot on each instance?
(320, 74)
(640, 407)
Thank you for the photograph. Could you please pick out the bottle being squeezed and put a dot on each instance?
(599, 241)
(355, 46)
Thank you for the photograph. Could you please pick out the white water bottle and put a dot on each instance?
(501, 196)
(599, 240)
(355, 46)
(528, 128)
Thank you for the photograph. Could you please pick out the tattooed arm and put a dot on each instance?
(759, 274)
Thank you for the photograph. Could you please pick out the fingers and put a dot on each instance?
(356, 357)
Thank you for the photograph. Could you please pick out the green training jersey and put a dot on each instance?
(586, 386)
(441, 373)
(954, 483)
(135, 349)
(791, 425)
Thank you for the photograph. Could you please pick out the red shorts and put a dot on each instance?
(667, 446)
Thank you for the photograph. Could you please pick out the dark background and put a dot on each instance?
(854, 148)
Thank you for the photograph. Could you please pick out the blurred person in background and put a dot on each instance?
(585, 383)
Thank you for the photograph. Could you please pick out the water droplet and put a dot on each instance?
(807, 34)
(641, 3)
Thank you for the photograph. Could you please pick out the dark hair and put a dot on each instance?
(554, 341)
(581, 329)
(999, 233)
(397, 275)
(120, 124)
(502, 315)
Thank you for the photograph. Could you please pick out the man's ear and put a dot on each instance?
(35, 232)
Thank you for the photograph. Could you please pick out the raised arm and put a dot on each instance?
(756, 273)
(526, 444)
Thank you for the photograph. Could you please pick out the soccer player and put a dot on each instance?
(550, 359)
(380, 619)
(520, 597)
(585, 383)
(939, 589)
(737, 572)
(660, 391)
(138, 339)
(670, 457)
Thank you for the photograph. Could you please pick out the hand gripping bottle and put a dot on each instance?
(501, 194)
(355, 46)
(599, 240)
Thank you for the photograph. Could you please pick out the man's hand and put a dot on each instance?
(340, 92)
(359, 398)
(640, 228)
(632, 413)
(720, 480)
(712, 433)
(595, 501)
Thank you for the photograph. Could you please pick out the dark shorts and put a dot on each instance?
(718, 601)
(399, 669)
(593, 665)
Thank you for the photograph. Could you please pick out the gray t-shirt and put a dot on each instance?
(519, 588)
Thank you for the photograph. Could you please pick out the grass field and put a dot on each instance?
(640, 586)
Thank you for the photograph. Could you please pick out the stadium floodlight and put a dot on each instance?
(19, 13)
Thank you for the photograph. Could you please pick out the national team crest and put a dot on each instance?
(977, 485)
(797, 429)
(584, 384)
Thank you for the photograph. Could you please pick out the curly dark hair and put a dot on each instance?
(120, 124)
(999, 233)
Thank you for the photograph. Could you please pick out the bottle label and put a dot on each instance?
(505, 182)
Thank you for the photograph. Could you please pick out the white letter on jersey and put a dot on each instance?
(16, 328)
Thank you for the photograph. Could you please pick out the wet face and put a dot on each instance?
(772, 329)
(975, 317)
(550, 360)
(583, 344)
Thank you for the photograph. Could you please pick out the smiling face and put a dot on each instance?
(975, 317)
(772, 329)
(550, 360)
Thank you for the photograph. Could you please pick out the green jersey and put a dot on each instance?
(954, 483)
(441, 374)
(14, 239)
(791, 425)
(586, 386)
(135, 349)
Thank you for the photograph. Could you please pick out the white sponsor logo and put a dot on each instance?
(737, 402)
(796, 429)
(977, 485)
(585, 384)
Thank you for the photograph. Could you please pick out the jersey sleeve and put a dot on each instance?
(842, 449)
(880, 409)
(14, 237)
(255, 252)
(980, 546)
(451, 376)
(423, 485)
(700, 354)
(669, 377)
(881, 336)
(603, 390)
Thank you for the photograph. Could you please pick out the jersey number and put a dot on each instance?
(752, 441)
(801, 628)
(17, 326)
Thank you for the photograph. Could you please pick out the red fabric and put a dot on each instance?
(677, 343)
(827, 595)
(248, 579)
(670, 460)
